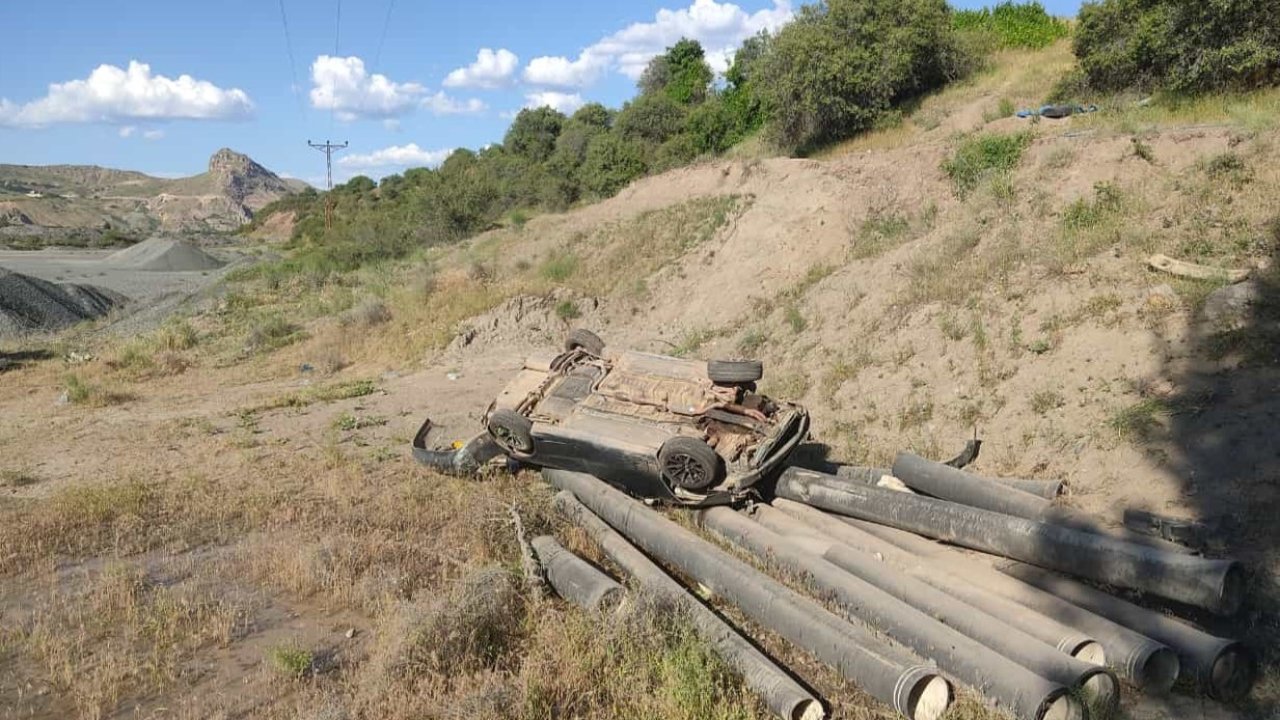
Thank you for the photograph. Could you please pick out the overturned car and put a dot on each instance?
(687, 431)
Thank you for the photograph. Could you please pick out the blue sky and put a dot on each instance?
(159, 85)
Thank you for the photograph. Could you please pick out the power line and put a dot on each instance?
(337, 35)
(293, 65)
(337, 29)
(386, 23)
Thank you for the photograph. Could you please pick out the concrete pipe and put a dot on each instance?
(1027, 694)
(1223, 668)
(948, 483)
(1216, 585)
(787, 698)
(790, 518)
(1149, 665)
(575, 579)
(889, 673)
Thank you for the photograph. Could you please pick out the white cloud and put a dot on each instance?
(126, 131)
(343, 85)
(564, 102)
(152, 134)
(113, 94)
(492, 69)
(442, 104)
(397, 156)
(720, 27)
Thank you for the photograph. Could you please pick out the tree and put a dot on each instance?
(650, 117)
(1181, 46)
(681, 73)
(594, 115)
(611, 163)
(533, 133)
(838, 66)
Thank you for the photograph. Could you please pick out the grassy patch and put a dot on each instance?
(1043, 401)
(559, 267)
(321, 393)
(347, 422)
(292, 661)
(568, 310)
(980, 158)
(17, 478)
(78, 391)
(1137, 422)
(272, 333)
(1013, 25)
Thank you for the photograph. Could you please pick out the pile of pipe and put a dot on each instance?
(907, 608)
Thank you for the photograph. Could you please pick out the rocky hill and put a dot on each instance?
(84, 204)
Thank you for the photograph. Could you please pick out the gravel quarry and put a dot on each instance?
(47, 290)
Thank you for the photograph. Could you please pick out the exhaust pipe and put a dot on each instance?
(1147, 664)
(948, 483)
(1216, 585)
(1223, 668)
(575, 579)
(1030, 695)
(891, 674)
(781, 693)
(792, 518)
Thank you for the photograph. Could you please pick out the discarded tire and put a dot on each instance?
(731, 372)
(581, 338)
(512, 431)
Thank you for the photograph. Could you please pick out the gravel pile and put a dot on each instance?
(29, 304)
(159, 254)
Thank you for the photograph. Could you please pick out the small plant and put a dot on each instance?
(17, 478)
(568, 310)
(915, 413)
(292, 661)
(979, 158)
(1046, 400)
(559, 267)
(370, 312)
(1228, 166)
(272, 333)
(518, 218)
(347, 422)
(79, 392)
(1136, 422)
(1040, 346)
(751, 343)
(795, 319)
(952, 328)
(1143, 150)
(1107, 202)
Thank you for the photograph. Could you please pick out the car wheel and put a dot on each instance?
(585, 339)
(689, 463)
(734, 372)
(512, 431)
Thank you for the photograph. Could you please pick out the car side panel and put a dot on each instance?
(620, 451)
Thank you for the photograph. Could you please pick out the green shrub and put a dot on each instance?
(982, 157)
(1178, 45)
(839, 65)
(1106, 203)
(559, 267)
(1024, 25)
(612, 162)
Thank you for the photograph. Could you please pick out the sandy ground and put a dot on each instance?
(88, 267)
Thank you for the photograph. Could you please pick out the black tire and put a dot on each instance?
(689, 463)
(734, 372)
(512, 431)
(585, 339)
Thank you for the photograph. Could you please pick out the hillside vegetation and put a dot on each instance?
(220, 517)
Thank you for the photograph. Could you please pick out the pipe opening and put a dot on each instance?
(1158, 671)
(929, 698)
(1233, 582)
(1062, 707)
(1090, 651)
(1101, 692)
(1233, 673)
(808, 710)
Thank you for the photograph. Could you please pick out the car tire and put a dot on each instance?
(734, 372)
(586, 340)
(512, 431)
(689, 463)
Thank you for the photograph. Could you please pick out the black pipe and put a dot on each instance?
(948, 483)
(780, 692)
(1213, 584)
(889, 673)
(1029, 694)
(1221, 667)
(1147, 664)
(789, 518)
(575, 579)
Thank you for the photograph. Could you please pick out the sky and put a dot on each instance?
(159, 85)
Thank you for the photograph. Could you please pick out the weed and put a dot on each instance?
(916, 412)
(559, 267)
(568, 310)
(1136, 422)
(792, 385)
(1040, 346)
(751, 343)
(795, 319)
(952, 328)
(692, 340)
(1003, 109)
(518, 218)
(1084, 213)
(322, 393)
(370, 312)
(1045, 400)
(79, 392)
(1228, 166)
(347, 422)
(1143, 150)
(292, 661)
(1010, 25)
(981, 157)
(1060, 157)
(17, 478)
(880, 231)
(272, 333)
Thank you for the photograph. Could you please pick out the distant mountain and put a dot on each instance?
(88, 204)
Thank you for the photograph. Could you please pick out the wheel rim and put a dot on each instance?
(509, 439)
(686, 471)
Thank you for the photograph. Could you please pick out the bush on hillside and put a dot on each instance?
(681, 74)
(838, 66)
(1010, 25)
(650, 117)
(612, 162)
(1179, 45)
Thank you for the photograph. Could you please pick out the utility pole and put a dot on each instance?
(328, 149)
